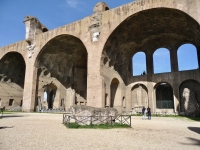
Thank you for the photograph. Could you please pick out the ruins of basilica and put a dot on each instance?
(89, 62)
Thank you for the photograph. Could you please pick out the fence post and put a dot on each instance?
(130, 121)
(111, 120)
(90, 120)
(69, 122)
(63, 118)
(121, 119)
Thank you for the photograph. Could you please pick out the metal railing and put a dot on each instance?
(164, 104)
(1, 110)
(96, 120)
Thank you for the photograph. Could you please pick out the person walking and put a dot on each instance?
(149, 113)
(143, 113)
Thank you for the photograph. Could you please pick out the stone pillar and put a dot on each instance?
(29, 95)
(149, 63)
(176, 98)
(151, 97)
(198, 56)
(128, 99)
(94, 79)
(118, 98)
(103, 93)
(108, 92)
(70, 98)
(174, 60)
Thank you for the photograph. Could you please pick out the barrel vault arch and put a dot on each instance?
(12, 80)
(62, 62)
(164, 23)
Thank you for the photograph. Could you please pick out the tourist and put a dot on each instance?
(143, 113)
(149, 113)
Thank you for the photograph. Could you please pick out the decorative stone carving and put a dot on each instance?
(33, 27)
(190, 104)
(96, 20)
(83, 113)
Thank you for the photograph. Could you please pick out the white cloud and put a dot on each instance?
(73, 3)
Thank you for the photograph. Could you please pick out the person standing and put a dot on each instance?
(149, 113)
(143, 113)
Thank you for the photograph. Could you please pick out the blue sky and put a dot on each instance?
(52, 13)
(56, 13)
(187, 60)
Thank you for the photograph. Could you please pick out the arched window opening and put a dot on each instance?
(139, 97)
(49, 95)
(187, 57)
(44, 30)
(106, 8)
(139, 64)
(45, 96)
(161, 61)
(164, 96)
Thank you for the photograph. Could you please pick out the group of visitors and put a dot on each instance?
(144, 113)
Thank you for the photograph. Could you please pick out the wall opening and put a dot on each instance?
(139, 64)
(49, 96)
(11, 102)
(139, 97)
(161, 61)
(187, 57)
(164, 96)
(50, 100)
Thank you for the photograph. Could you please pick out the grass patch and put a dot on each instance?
(100, 126)
(173, 116)
(9, 112)
(189, 118)
(178, 116)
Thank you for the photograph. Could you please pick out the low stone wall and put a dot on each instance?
(85, 115)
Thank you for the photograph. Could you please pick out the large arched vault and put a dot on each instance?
(146, 31)
(63, 63)
(61, 54)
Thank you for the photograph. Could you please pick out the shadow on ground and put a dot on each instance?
(195, 129)
(10, 116)
(194, 118)
(193, 141)
(4, 127)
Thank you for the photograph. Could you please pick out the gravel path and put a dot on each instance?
(34, 131)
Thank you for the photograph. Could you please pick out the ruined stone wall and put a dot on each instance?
(108, 21)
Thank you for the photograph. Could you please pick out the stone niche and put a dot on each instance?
(190, 105)
(190, 98)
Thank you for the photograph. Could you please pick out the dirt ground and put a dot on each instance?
(30, 131)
